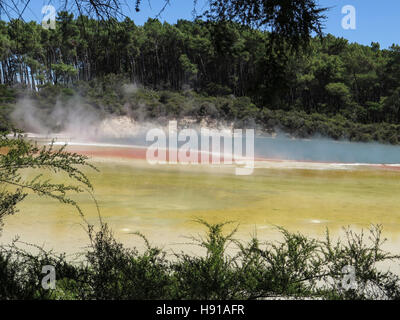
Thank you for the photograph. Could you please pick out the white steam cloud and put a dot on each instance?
(81, 122)
(73, 119)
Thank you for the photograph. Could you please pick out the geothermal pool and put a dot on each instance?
(161, 201)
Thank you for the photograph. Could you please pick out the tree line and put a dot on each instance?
(330, 76)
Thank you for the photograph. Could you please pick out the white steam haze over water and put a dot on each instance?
(78, 123)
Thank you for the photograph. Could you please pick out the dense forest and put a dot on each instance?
(331, 87)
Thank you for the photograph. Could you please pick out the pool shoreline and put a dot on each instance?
(119, 152)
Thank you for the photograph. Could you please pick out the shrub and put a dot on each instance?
(295, 267)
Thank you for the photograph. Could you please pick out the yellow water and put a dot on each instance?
(161, 202)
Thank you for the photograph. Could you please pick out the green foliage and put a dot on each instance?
(354, 87)
(293, 267)
(21, 271)
(364, 257)
(211, 277)
(104, 96)
(119, 273)
(17, 155)
(294, 20)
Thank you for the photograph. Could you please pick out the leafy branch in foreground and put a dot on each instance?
(18, 154)
(291, 19)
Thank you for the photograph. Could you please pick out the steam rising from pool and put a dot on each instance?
(280, 148)
(81, 124)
